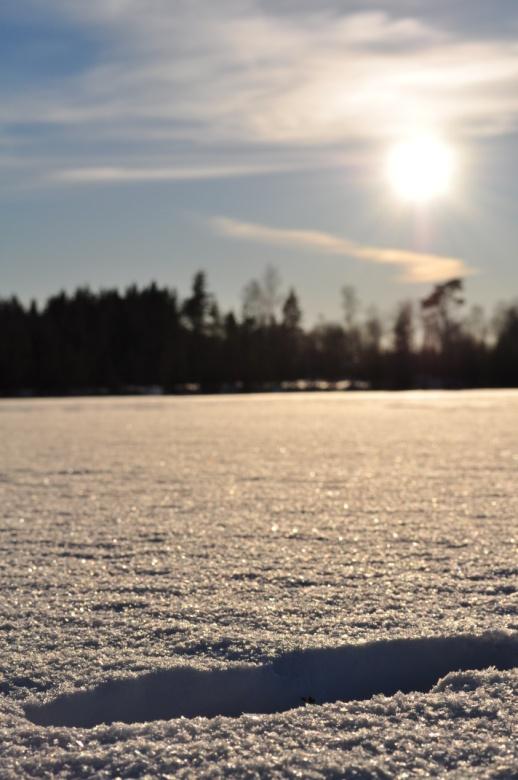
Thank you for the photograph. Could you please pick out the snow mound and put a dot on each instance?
(317, 676)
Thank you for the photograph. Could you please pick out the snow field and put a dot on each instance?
(208, 556)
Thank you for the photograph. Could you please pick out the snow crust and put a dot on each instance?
(214, 535)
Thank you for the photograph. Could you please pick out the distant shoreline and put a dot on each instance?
(321, 387)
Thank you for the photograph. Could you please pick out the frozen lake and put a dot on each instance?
(216, 555)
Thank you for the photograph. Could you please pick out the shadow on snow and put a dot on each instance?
(353, 672)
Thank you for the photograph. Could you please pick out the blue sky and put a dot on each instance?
(144, 139)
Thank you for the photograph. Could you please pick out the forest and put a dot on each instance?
(149, 340)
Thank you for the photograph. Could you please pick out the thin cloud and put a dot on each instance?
(114, 175)
(238, 74)
(417, 267)
(234, 72)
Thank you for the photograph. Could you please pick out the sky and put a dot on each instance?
(146, 139)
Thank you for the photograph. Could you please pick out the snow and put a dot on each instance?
(354, 672)
(216, 555)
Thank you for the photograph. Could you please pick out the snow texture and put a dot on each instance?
(306, 677)
(340, 568)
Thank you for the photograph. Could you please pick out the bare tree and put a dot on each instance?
(271, 292)
(253, 301)
(350, 306)
(262, 298)
(403, 331)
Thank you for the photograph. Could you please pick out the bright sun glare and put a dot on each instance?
(420, 169)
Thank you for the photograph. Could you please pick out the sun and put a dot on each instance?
(421, 169)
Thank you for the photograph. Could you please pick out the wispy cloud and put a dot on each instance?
(417, 267)
(234, 72)
(114, 175)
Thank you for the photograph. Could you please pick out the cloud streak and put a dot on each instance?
(118, 175)
(416, 267)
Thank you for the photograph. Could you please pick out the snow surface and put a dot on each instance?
(218, 555)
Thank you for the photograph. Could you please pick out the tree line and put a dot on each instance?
(149, 339)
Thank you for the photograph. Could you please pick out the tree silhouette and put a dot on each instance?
(291, 312)
(196, 307)
(505, 358)
(403, 357)
(144, 339)
(439, 314)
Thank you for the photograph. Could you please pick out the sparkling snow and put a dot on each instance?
(212, 555)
